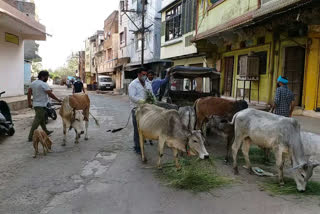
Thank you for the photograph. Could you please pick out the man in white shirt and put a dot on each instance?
(137, 94)
(40, 91)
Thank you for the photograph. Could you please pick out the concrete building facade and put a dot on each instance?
(15, 28)
(93, 59)
(131, 37)
(282, 35)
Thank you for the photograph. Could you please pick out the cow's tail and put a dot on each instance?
(95, 119)
(234, 118)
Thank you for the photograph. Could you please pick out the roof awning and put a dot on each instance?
(270, 7)
(13, 19)
(250, 18)
(181, 72)
(235, 23)
(149, 61)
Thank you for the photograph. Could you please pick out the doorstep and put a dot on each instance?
(16, 103)
(308, 113)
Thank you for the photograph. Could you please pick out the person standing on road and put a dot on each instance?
(284, 99)
(78, 86)
(40, 91)
(157, 84)
(137, 95)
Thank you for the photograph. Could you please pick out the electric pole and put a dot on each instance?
(142, 33)
(141, 30)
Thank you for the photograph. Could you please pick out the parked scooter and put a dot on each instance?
(50, 112)
(6, 124)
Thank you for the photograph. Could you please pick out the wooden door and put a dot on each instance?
(294, 71)
(228, 75)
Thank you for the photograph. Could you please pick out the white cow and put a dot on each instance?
(156, 123)
(311, 145)
(278, 133)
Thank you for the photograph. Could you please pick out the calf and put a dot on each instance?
(278, 133)
(221, 126)
(156, 123)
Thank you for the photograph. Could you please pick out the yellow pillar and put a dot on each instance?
(312, 68)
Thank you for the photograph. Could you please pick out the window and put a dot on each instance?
(109, 54)
(105, 79)
(173, 23)
(262, 61)
(243, 44)
(122, 38)
(261, 40)
(189, 11)
(139, 44)
(229, 48)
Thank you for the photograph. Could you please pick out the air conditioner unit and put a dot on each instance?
(249, 66)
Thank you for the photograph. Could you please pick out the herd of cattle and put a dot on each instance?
(242, 126)
(184, 130)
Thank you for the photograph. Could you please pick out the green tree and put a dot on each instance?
(69, 69)
(36, 68)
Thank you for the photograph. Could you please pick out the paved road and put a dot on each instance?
(104, 176)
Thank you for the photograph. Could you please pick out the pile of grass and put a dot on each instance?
(196, 175)
(272, 186)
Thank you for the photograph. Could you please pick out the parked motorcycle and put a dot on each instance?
(6, 124)
(50, 112)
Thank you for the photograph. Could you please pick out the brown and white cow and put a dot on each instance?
(215, 106)
(75, 108)
(156, 123)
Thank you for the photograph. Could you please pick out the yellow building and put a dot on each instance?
(281, 34)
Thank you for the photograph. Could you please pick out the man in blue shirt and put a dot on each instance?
(157, 83)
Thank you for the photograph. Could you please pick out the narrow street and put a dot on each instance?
(104, 175)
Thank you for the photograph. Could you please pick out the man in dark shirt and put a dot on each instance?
(78, 86)
(284, 99)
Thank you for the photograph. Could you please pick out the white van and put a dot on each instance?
(105, 82)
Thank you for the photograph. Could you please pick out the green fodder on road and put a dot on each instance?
(257, 155)
(289, 188)
(195, 175)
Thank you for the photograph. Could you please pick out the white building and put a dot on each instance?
(15, 28)
(130, 38)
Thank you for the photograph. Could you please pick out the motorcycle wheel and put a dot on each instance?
(54, 114)
(11, 132)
